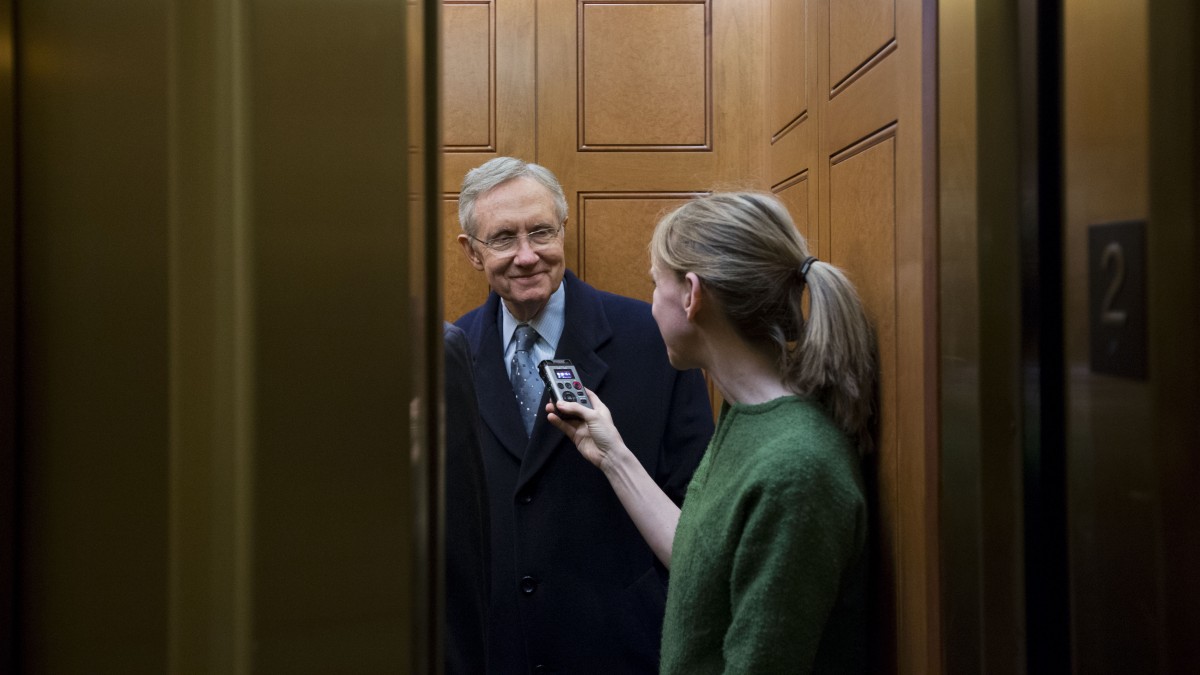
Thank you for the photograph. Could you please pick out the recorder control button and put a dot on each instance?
(577, 385)
(568, 396)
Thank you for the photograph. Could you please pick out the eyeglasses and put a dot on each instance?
(507, 244)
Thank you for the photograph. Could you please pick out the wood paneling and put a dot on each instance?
(510, 105)
(875, 83)
(608, 221)
(734, 84)
(792, 128)
(488, 92)
(464, 289)
(469, 116)
(644, 76)
(828, 103)
(858, 30)
(787, 65)
(794, 195)
(862, 201)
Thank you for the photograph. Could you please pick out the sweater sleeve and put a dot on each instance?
(798, 537)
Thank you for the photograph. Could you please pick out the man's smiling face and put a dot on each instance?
(524, 278)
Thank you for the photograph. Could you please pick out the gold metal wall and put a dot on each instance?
(225, 345)
(980, 501)
(8, 314)
(1113, 496)
(1173, 28)
(1129, 151)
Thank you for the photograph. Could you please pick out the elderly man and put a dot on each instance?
(575, 588)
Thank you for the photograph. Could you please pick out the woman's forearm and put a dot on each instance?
(652, 511)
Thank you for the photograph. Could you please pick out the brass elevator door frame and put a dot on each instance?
(1101, 476)
(219, 381)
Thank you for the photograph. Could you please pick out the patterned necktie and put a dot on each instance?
(525, 381)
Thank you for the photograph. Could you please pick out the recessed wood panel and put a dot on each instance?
(615, 232)
(644, 76)
(463, 287)
(859, 31)
(876, 213)
(794, 195)
(469, 103)
(862, 241)
(787, 66)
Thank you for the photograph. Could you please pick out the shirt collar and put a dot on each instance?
(548, 323)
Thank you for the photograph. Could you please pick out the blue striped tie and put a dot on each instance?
(525, 381)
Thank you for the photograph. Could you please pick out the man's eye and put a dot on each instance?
(502, 241)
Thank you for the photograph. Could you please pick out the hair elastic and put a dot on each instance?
(807, 264)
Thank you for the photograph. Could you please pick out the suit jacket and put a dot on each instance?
(575, 588)
(467, 532)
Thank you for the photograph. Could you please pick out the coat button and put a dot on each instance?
(528, 585)
(525, 496)
(539, 669)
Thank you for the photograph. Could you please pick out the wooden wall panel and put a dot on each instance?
(787, 63)
(862, 205)
(875, 86)
(464, 288)
(489, 52)
(613, 251)
(505, 66)
(733, 83)
(791, 128)
(794, 195)
(468, 92)
(858, 31)
(644, 76)
(862, 201)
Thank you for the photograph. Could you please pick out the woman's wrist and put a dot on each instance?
(614, 462)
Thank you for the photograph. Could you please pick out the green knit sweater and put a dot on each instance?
(768, 568)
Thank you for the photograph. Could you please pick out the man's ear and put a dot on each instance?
(694, 297)
(469, 251)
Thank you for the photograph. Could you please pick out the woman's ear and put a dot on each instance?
(694, 297)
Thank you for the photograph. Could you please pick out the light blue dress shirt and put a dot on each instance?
(548, 323)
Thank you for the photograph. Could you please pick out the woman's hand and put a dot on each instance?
(591, 430)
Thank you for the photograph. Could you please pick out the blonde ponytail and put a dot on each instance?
(749, 254)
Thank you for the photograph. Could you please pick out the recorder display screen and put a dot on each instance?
(564, 374)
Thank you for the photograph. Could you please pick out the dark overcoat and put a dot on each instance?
(575, 588)
(467, 537)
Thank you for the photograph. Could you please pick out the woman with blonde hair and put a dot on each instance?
(768, 557)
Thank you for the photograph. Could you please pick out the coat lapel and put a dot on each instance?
(586, 329)
(497, 404)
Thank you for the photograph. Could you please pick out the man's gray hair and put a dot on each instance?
(495, 172)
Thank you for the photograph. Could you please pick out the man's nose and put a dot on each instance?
(525, 255)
